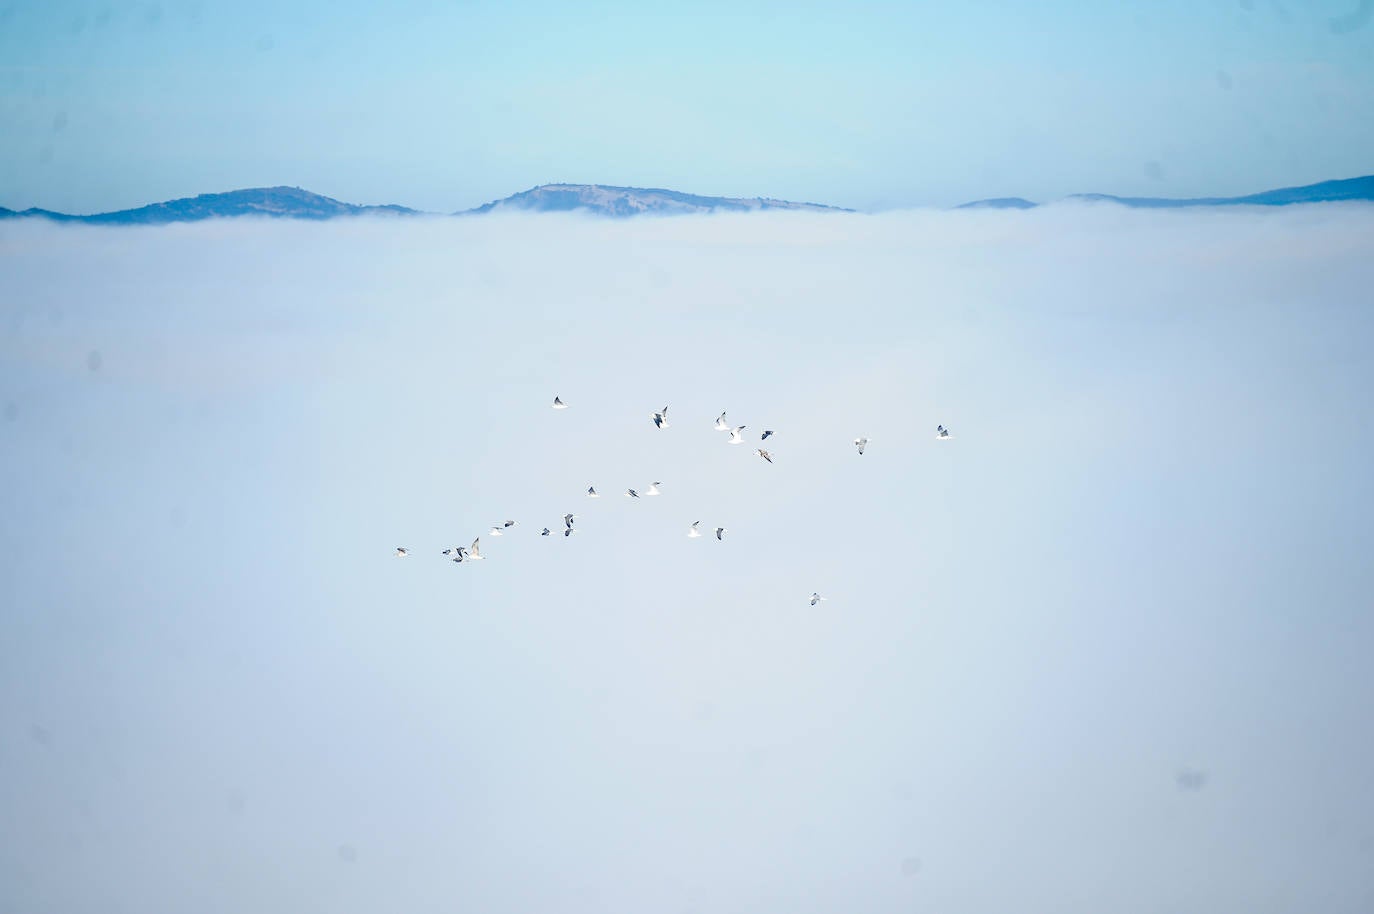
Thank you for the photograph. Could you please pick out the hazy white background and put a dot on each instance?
(1142, 564)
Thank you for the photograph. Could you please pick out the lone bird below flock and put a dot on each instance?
(860, 443)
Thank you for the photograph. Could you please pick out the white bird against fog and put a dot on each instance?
(816, 598)
(941, 432)
(720, 533)
(559, 404)
(402, 552)
(661, 418)
(653, 488)
(631, 493)
(764, 454)
(591, 492)
(860, 442)
(495, 531)
(473, 554)
(692, 531)
(721, 425)
(735, 436)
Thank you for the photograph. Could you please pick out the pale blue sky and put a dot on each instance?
(443, 106)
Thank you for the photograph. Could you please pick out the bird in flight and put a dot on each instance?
(402, 552)
(661, 418)
(860, 443)
(559, 404)
(766, 435)
(764, 454)
(653, 488)
(941, 432)
(816, 598)
(495, 531)
(693, 532)
(631, 493)
(473, 554)
(735, 436)
(544, 532)
(568, 519)
(721, 425)
(720, 533)
(591, 492)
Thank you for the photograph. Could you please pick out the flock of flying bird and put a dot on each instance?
(473, 553)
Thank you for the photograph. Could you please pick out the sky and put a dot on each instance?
(1107, 649)
(444, 106)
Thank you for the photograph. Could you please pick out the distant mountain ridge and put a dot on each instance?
(607, 200)
(1361, 188)
(275, 202)
(617, 202)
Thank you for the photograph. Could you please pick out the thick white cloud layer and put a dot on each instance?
(1107, 650)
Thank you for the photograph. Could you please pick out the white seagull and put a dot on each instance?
(559, 404)
(661, 418)
(721, 425)
(735, 436)
(473, 554)
(720, 533)
(653, 488)
(495, 531)
(591, 492)
(859, 443)
(402, 552)
(764, 454)
(816, 598)
(692, 531)
(941, 432)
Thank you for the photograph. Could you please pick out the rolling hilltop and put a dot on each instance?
(1325, 192)
(277, 202)
(633, 201)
